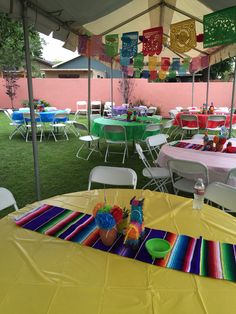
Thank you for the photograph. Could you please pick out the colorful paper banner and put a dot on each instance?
(152, 41)
(138, 61)
(153, 75)
(125, 61)
(111, 45)
(220, 27)
(96, 46)
(165, 63)
(152, 63)
(175, 64)
(129, 44)
(83, 45)
(183, 36)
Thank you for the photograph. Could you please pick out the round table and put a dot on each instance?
(40, 274)
(202, 120)
(134, 129)
(47, 116)
(218, 164)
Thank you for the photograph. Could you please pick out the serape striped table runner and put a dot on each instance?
(187, 145)
(191, 255)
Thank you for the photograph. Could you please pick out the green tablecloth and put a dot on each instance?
(134, 130)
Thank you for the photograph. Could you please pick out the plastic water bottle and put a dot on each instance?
(199, 191)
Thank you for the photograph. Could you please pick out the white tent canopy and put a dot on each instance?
(67, 19)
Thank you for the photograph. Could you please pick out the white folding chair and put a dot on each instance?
(215, 122)
(155, 142)
(157, 176)
(39, 125)
(108, 108)
(150, 129)
(18, 124)
(223, 195)
(96, 107)
(82, 107)
(231, 177)
(113, 176)
(7, 199)
(151, 111)
(184, 174)
(185, 119)
(70, 124)
(59, 123)
(91, 141)
(115, 131)
(178, 108)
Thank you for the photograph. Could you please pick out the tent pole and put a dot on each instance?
(208, 83)
(232, 102)
(89, 92)
(193, 87)
(112, 86)
(30, 95)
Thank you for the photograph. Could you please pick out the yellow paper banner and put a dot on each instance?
(183, 36)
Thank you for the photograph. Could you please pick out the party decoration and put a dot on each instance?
(204, 62)
(129, 44)
(135, 230)
(83, 44)
(200, 38)
(137, 73)
(125, 61)
(185, 63)
(138, 61)
(183, 36)
(153, 75)
(175, 64)
(220, 27)
(130, 71)
(152, 42)
(96, 46)
(152, 63)
(111, 44)
(162, 74)
(165, 63)
(172, 74)
(145, 74)
(195, 64)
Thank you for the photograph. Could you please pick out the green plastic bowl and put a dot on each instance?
(158, 248)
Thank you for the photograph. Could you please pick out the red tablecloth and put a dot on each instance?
(202, 120)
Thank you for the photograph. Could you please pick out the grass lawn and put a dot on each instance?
(60, 171)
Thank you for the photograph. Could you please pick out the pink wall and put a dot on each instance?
(63, 93)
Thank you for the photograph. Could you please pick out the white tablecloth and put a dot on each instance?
(218, 163)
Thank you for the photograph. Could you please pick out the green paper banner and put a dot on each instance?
(111, 45)
(220, 27)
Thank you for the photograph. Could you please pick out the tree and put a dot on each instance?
(12, 51)
(126, 86)
(220, 70)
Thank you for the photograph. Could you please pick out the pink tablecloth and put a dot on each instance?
(218, 163)
(202, 120)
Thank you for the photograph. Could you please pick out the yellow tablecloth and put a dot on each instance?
(41, 274)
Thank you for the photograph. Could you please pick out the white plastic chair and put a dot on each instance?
(113, 176)
(223, 195)
(96, 107)
(59, 123)
(39, 125)
(119, 131)
(82, 107)
(7, 199)
(179, 108)
(18, 124)
(193, 119)
(184, 174)
(218, 120)
(108, 108)
(155, 142)
(157, 176)
(90, 140)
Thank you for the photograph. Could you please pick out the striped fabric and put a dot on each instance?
(197, 256)
(187, 145)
